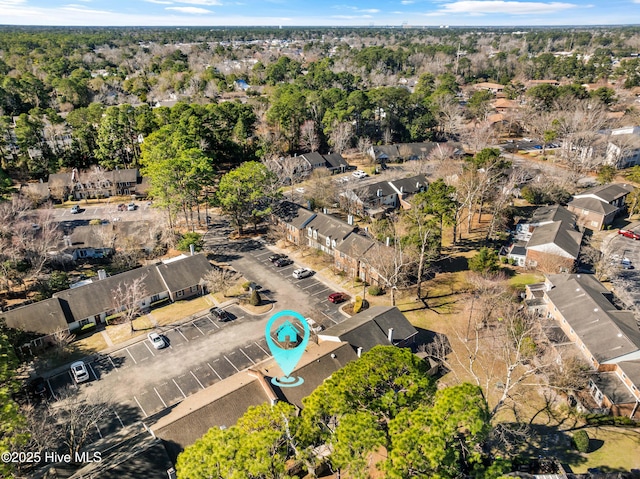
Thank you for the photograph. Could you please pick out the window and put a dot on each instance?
(193, 289)
(155, 298)
(315, 234)
(309, 231)
(180, 294)
(572, 332)
(333, 243)
(328, 241)
(83, 322)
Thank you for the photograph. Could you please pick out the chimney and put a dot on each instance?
(102, 274)
(402, 189)
(324, 210)
(379, 192)
(192, 249)
(388, 242)
(266, 386)
(350, 219)
(390, 335)
(360, 351)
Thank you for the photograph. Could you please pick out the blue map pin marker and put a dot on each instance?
(287, 334)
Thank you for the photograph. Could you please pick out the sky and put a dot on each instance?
(318, 12)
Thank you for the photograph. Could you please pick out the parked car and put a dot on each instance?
(283, 262)
(359, 174)
(626, 263)
(75, 209)
(156, 340)
(537, 147)
(276, 257)
(313, 326)
(79, 372)
(122, 207)
(302, 273)
(131, 207)
(220, 314)
(337, 297)
(629, 234)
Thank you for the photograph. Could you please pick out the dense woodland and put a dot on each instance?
(76, 97)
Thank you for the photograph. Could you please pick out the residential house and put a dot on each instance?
(489, 86)
(377, 198)
(351, 252)
(336, 163)
(93, 302)
(550, 240)
(608, 338)
(623, 147)
(223, 403)
(92, 183)
(377, 325)
(597, 207)
(43, 318)
(314, 159)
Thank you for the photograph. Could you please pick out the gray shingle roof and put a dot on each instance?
(556, 233)
(314, 158)
(547, 214)
(184, 273)
(336, 160)
(355, 245)
(328, 225)
(95, 298)
(371, 328)
(607, 193)
(410, 185)
(632, 370)
(293, 214)
(592, 204)
(607, 332)
(43, 317)
(385, 189)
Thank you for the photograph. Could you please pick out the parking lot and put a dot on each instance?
(625, 281)
(324, 312)
(125, 366)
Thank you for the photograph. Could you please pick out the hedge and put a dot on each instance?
(581, 440)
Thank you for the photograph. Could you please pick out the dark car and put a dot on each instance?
(276, 257)
(282, 262)
(337, 297)
(122, 207)
(220, 314)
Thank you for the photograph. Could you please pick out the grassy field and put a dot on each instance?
(613, 449)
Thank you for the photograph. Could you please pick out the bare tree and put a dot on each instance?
(128, 299)
(309, 139)
(341, 135)
(219, 280)
(323, 189)
(364, 145)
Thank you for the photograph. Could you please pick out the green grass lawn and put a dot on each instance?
(520, 280)
(618, 449)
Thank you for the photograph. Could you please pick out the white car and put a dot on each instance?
(75, 209)
(313, 326)
(156, 340)
(79, 372)
(359, 174)
(302, 273)
(131, 207)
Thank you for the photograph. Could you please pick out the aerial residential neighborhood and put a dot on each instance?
(347, 252)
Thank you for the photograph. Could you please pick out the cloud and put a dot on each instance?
(356, 9)
(159, 2)
(207, 3)
(407, 2)
(351, 17)
(190, 10)
(71, 7)
(478, 7)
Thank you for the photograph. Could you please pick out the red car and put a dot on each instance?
(338, 297)
(629, 234)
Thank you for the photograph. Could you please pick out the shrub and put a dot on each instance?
(357, 306)
(255, 298)
(375, 291)
(85, 329)
(581, 440)
(604, 420)
(246, 285)
(190, 238)
(95, 221)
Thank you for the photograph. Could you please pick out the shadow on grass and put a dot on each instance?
(595, 444)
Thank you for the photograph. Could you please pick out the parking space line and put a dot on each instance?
(145, 343)
(196, 326)
(119, 420)
(163, 403)
(51, 389)
(208, 316)
(183, 394)
(112, 363)
(185, 338)
(336, 322)
(216, 372)
(194, 377)
(141, 408)
(98, 429)
(134, 359)
(247, 356)
(265, 352)
(234, 366)
(310, 286)
(92, 371)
